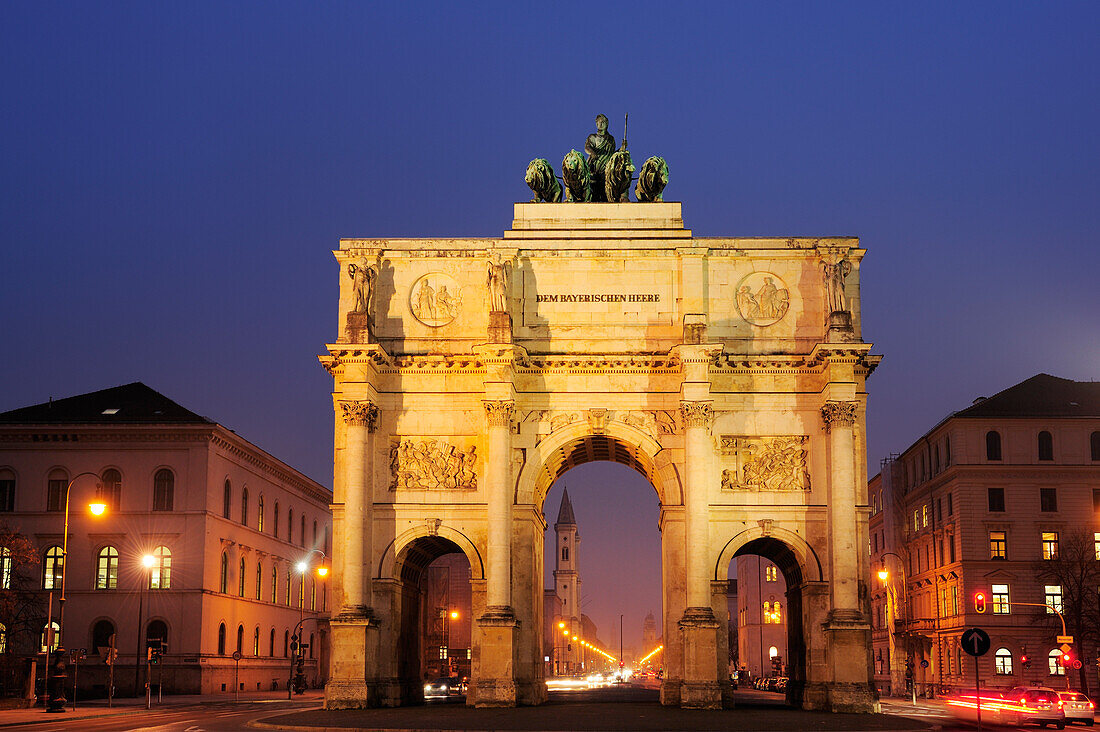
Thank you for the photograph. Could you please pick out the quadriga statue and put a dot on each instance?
(542, 181)
(578, 182)
(617, 176)
(652, 180)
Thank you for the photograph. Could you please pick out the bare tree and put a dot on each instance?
(21, 604)
(1076, 569)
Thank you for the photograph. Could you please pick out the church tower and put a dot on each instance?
(567, 582)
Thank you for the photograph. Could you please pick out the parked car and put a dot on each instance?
(1077, 707)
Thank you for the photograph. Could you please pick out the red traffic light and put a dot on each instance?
(979, 602)
(1067, 659)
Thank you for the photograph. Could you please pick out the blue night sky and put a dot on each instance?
(173, 177)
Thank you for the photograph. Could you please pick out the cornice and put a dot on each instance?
(266, 467)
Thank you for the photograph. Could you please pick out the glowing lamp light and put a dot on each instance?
(574, 637)
(302, 567)
(561, 625)
(97, 509)
(454, 615)
(322, 571)
(148, 560)
(883, 575)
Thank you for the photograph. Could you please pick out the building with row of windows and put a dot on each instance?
(1001, 498)
(199, 544)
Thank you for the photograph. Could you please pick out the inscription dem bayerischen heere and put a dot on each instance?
(576, 297)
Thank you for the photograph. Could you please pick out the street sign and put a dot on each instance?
(1066, 648)
(975, 642)
(924, 663)
(236, 655)
(1077, 663)
(1064, 639)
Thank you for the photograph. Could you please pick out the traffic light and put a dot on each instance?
(1067, 659)
(979, 602)
(1025, 661)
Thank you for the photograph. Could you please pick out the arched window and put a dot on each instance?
(1054, 663)
(773, 652)
(290, 525)
(223, 583)
(286, 643)
(160, 576)
(1002, 660)
(7, 490)
(154, 631)
(1046, 446)
(51, 568)
(288, 588)
(1094, 448)
(244, 506)
(301, 592)
(302, 531)
(221, 639)
(101, 635)
(992, 445)
(271, 644)
(106, 575)
(110, 489)
(240, 639)
(274, 584)
(324, 598)
(240, 579)
(164, 488)
(5, 568)
(275, 520)
(227, 499)
(256, 641)
(312, 595)
(259, 578)
(55, 490)
(311, 645)
(314, 533)
(260, 514)
(56, 640)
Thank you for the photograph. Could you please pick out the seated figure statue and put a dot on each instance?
(599, 146)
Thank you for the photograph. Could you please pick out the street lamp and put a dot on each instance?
(891, 616)
(97, 508)
(147, 561)
(297, 664)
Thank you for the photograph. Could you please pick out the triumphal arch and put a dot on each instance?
(470, 373)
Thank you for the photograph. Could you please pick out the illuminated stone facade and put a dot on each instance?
(482, 369)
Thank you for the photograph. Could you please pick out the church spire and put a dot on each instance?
(565, 513)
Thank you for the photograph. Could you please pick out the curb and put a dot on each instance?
(108, 715)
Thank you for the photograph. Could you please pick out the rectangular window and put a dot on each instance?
(1096, 499)
(954, 593)
(951, 547)
(950, 505)
(7, 495)
(1048, 499)
(996, 499)
(1053, 597)
(1000, 599)
(924, 515)
(771, 574)
(998, 545)
(1050, 545)
(55, 495)
(916, 520)
(939, 510)
(1096, 544)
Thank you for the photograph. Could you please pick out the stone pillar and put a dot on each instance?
(851, 686)
(699, 628)
(353, 643)
(496, 684)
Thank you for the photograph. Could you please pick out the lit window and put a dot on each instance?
(160, 576)
(260, 514)
(1053, 597)
(1050, 545)
(1096, 544)
(54, 636)
(5, 568)
(1054, 659)
(256, 641)
(51, 568)
(259, 578)
(999, 595)
(244, 507)
(998, 545)
(3, 638)
(924, 515)
(240, 579)
(223, 583)
(106, 577)
(1003, 661)
(772, 573)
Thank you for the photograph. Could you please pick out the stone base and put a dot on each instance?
(494, 672)
(500, 327)
(815, 697)
(360, 328)
(839, 328)
(346, 695)
(670, 692)
(726, 688)
(353, 652)
(852, 698)
(699, 688)
(532, 693)
(700, 695)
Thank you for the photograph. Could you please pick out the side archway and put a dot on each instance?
(397, 554)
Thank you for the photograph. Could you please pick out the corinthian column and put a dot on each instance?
(839, 418)
(498, 486)
(361, 419)
(697, 419)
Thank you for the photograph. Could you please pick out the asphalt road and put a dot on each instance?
(211, 717)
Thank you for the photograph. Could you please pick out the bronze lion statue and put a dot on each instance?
(617, 176)
(542, 181)
(652, 180)
(578, 181)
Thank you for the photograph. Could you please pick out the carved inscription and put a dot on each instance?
(432, 465)
(765, 463)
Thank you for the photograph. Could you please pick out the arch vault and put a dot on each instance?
(470, 374)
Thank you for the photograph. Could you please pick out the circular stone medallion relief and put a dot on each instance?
(434, 299)
(763, 298)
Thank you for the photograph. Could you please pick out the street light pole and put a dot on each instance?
(884, 575)
(299, 655)
(147, 562)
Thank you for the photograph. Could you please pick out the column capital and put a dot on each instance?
(697, 414)
(838, 414)
(499, 413)
(360, 414)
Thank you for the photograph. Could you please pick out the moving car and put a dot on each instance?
(1077, 707)
(1036, 705)
(446, 686)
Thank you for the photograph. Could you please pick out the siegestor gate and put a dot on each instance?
(470, 373)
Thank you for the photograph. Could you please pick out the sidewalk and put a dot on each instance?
(127, 706)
